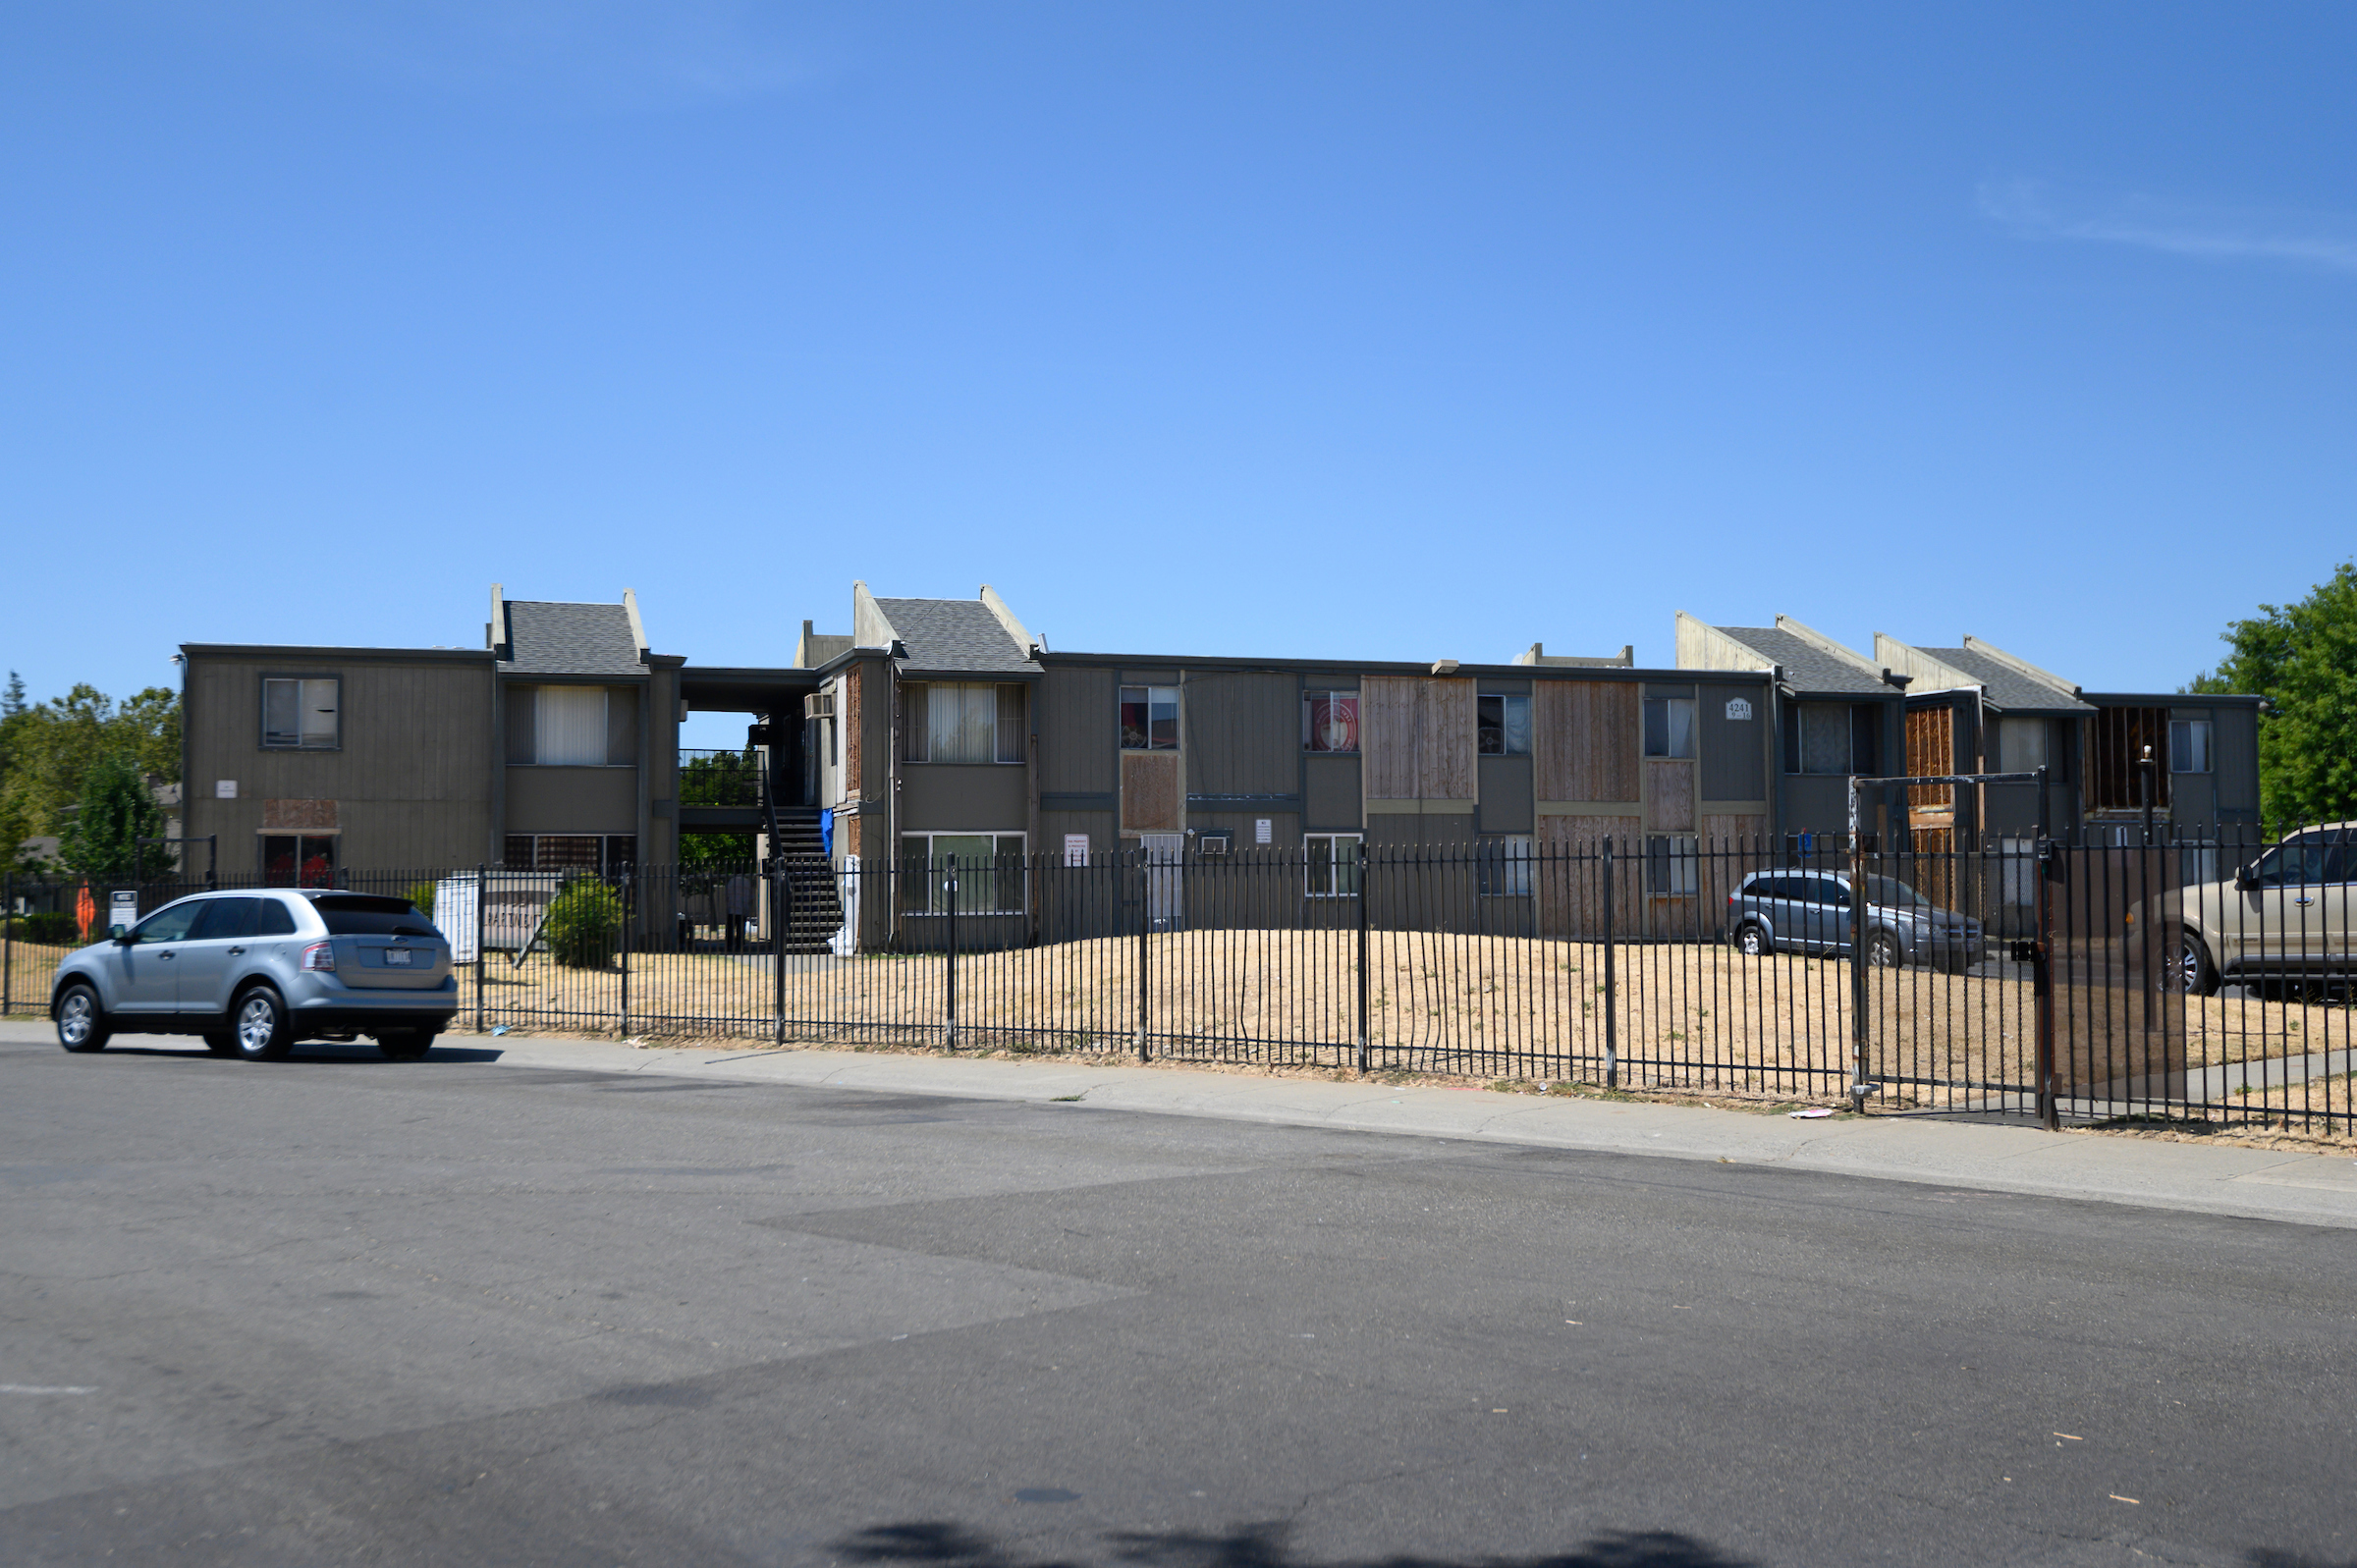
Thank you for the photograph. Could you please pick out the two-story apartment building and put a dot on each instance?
(549, 748)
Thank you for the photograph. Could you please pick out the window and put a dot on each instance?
(1671, 867)
(573, 727)
(363, 914)
(982, 871)
(1329, 721)
(167, 925)
(601, 854)
(1504, 725)
(1506, 866)
(2021, 745)
(1832, 737)
(2189, 746)
(960, 722)
(226, 919)
(1150, 719)
(1332, 864)
(1669, 727)
(301, 714)
(299, 861)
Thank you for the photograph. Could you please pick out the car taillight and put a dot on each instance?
(319, 955)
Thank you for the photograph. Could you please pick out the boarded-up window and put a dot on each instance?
(1418, 737)
(1586, 740)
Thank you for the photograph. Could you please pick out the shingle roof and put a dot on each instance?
(2007, 686)
(1807, 667)
(955, 635)
(571, 640)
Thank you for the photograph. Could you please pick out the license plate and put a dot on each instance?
(400, 958)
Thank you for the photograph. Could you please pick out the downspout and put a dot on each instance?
(1776, 758)
(1031, 842)
(892, 791)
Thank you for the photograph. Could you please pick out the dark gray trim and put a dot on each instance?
(2163, 699)
(1244, 802)
(1080, 800)
(1327, 668)
(272, 650)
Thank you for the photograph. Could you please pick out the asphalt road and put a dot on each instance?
(340, 1309)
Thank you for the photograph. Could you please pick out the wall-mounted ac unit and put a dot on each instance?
(1212, 843)
(819, 705)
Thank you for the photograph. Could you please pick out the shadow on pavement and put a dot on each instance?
(1257, 1546)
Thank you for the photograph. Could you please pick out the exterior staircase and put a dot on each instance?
(814, 911)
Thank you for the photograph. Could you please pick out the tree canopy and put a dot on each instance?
(117, 809)
(2302, 658)
(48, 749)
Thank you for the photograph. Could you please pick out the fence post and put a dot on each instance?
(1860, 1037)
(1363, 1047)
(482, 931)
(1612, 980)
(626, 952)
(1146, 927)
(781, 883)
(2042, 988)
(948, 888)
(8, 943)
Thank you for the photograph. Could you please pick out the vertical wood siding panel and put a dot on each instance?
(1149, 791)
(1447, 752)
(1242, 735)
(1670, 805)
(1589, 735)
(1389, 710)
(1568, 892)
(1078, 748)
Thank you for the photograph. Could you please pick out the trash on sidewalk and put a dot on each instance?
(499, 1029)
(1812, 1113)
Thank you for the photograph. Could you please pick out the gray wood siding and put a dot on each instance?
(414, 774)
(1330, 794)
(1506, 794)
(2236, 737)
(573, 801)
(962, 798)
(1242, 733)
(1078, 750)
(1417, 734)
(1734, 752)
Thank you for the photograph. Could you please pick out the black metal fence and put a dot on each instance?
(2206, 976)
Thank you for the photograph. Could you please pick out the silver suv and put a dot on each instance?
(254, 972)
(1808, 911)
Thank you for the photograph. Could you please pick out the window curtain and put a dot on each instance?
(568, 725)
(1517, 726)
(961, 723)
(1823, 738)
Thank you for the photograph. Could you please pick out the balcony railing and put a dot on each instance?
(720, 778)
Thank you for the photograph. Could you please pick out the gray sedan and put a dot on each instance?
(254, 972)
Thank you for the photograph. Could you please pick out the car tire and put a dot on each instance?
(1882, 951)
(2193, 974)
(263, 1031)
(1752, 940)
(222, 1043)
(405, 1044)
(1951, 963)
(80, 1021)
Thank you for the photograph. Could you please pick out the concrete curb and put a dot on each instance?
(2252, 1183)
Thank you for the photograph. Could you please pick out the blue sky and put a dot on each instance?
(1382, 332)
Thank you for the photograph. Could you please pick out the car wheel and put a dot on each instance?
(1951, 963)
(1882, 951)
(2193, 973)
(221, 1043)
(80, 1021)
(405, 1044)
(1752, 941)
(262, 1033)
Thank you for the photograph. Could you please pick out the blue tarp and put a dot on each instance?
(826, 833)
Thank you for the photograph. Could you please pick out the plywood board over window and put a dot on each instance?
(1586, 737)
(1567, 875)
(1669, 801)
(1149, 791)
(1418, 736)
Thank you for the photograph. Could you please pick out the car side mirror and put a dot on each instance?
(2245, 879)
(120, 935)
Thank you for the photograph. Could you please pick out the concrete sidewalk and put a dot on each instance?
(2259, 1183)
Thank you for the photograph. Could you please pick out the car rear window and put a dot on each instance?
(360, 915)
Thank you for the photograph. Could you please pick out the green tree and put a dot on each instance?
(2302, 658)
(48, 749)
(117, 808)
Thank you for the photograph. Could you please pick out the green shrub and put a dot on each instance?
(583, 925)
(422, 894)
(52, 927)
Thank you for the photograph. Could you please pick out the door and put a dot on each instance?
(1165, 853)
(1828, 914)
(212, 950)
(147, 968)
(2280, 926)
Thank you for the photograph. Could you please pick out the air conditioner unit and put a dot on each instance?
(1212, 843)
(819, 705)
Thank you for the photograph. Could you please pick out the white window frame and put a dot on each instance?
(1154, 698)
(307, 700)
(1506, 865)
(2187, 732)
(935, 906)
(1681, 853)
(1670, 727)
(1333, 865)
